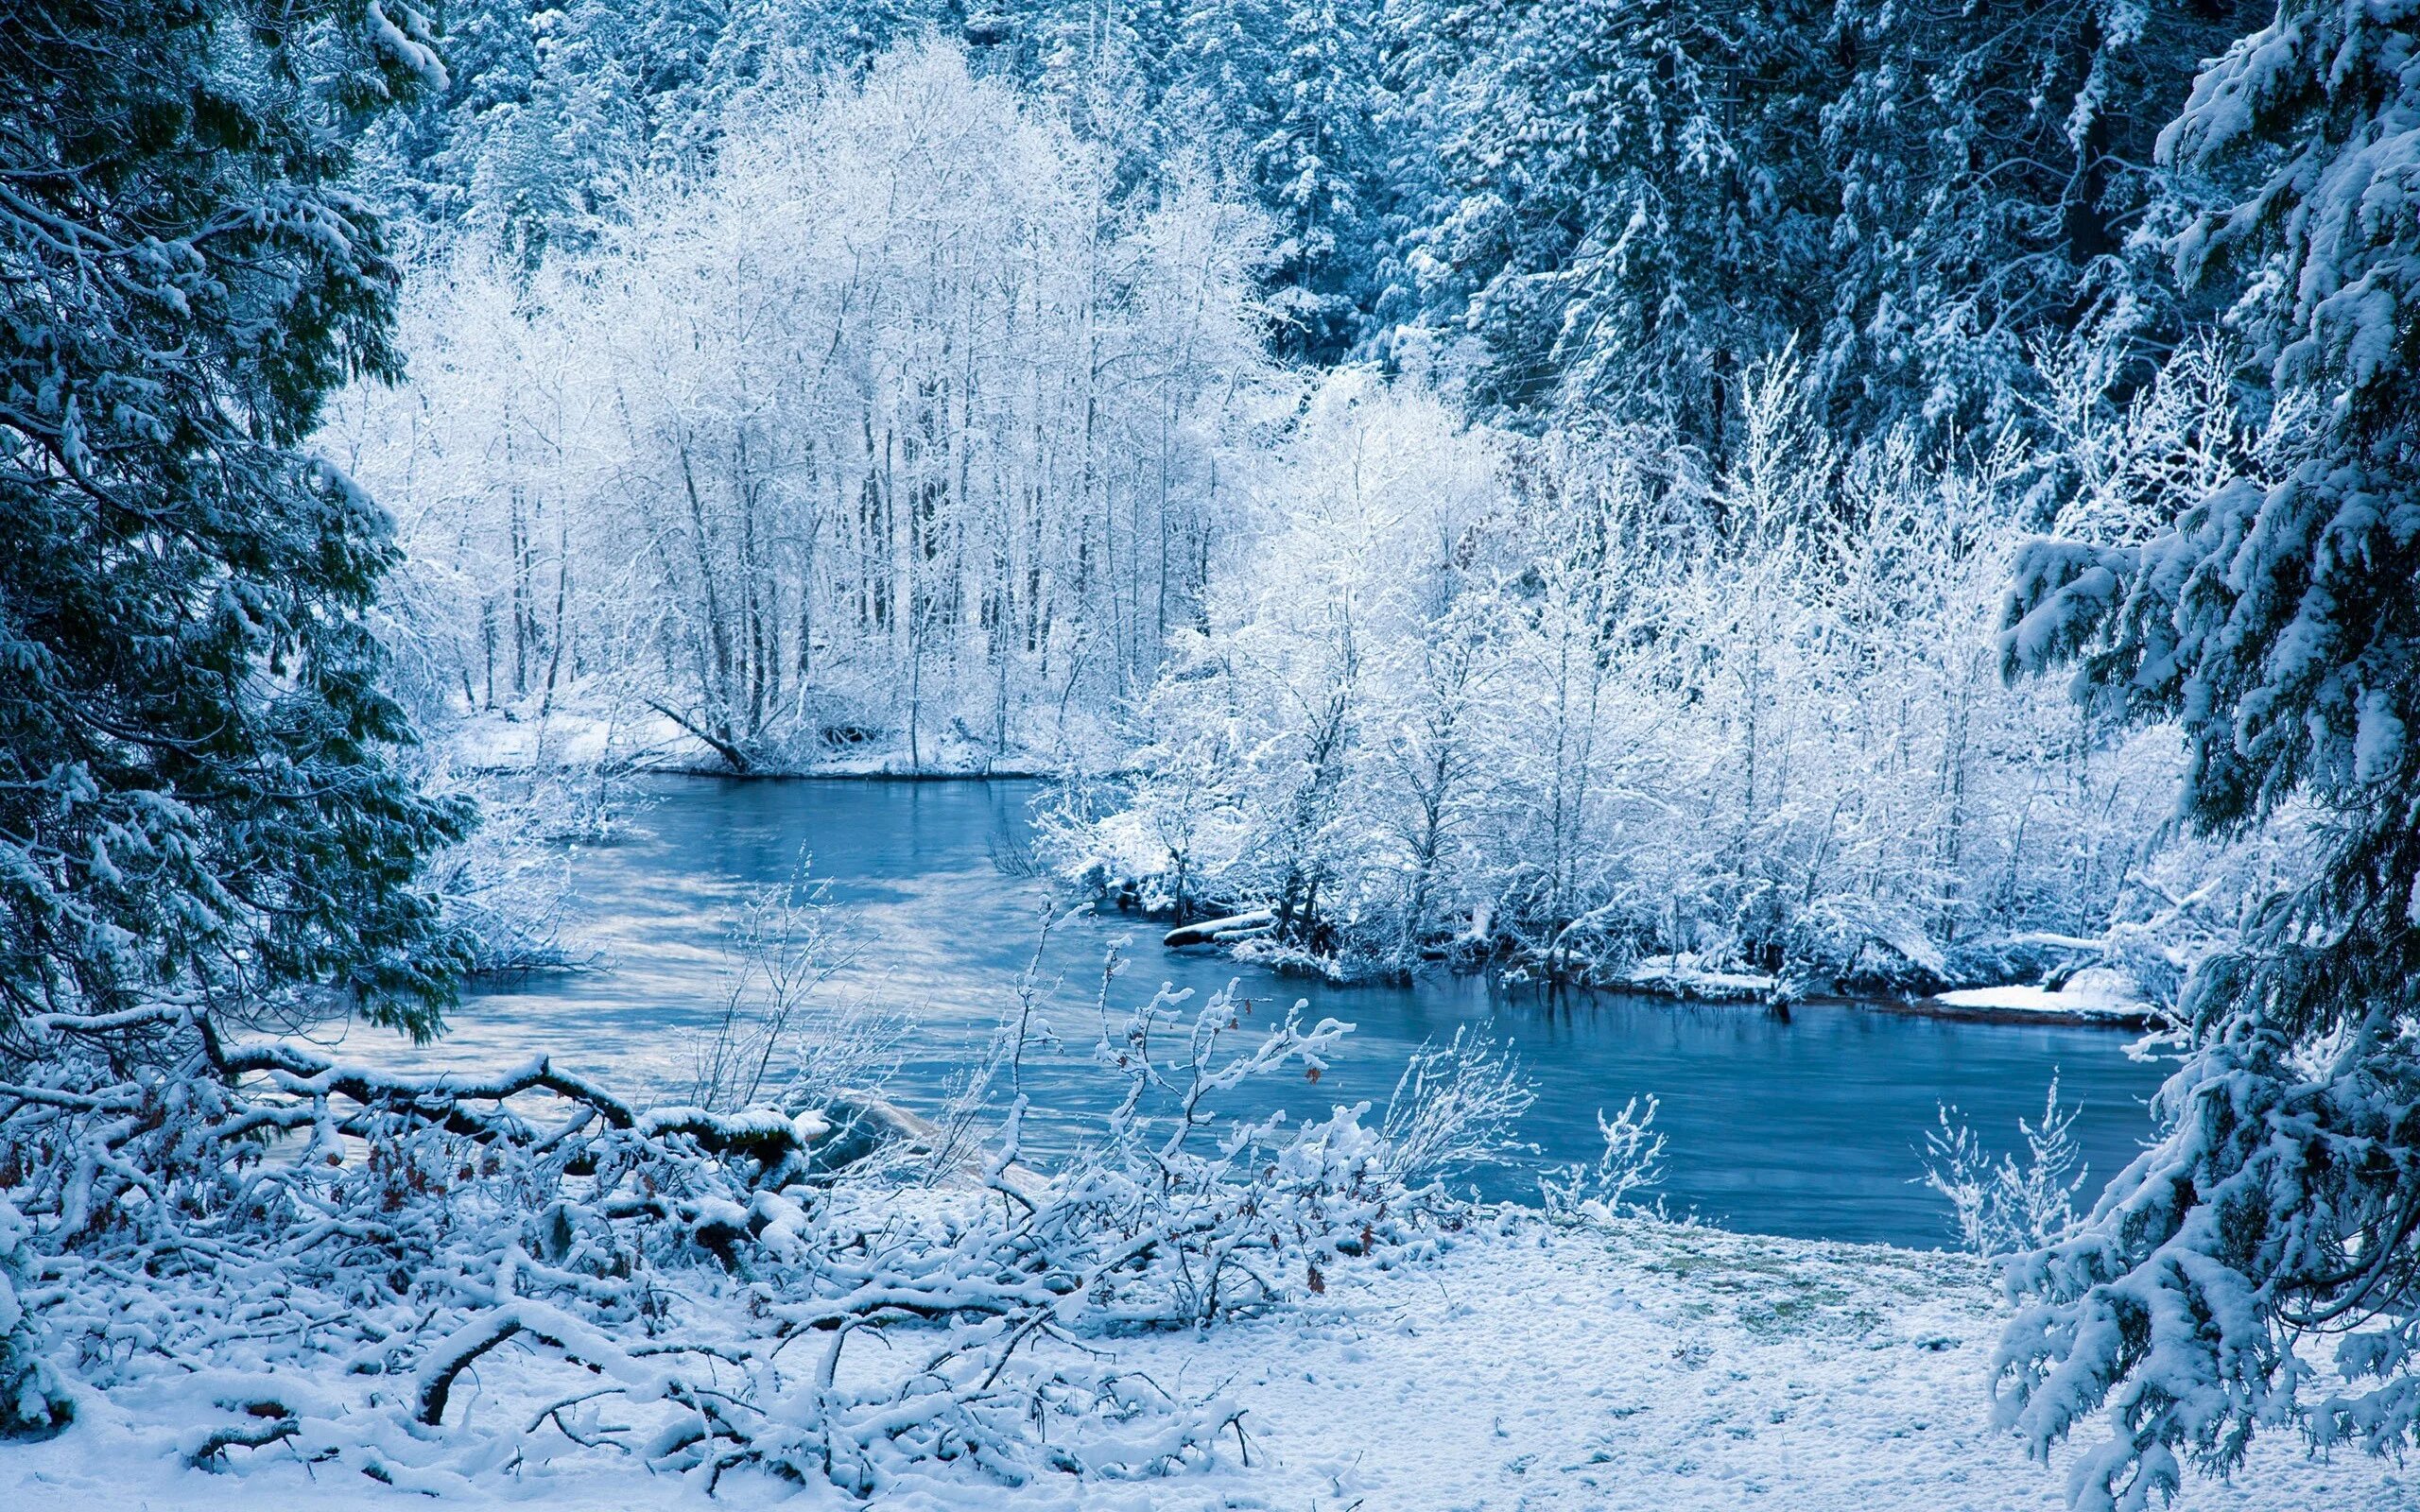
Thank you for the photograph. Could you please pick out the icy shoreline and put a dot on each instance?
(1645, 1366)
(501, 741)
(502, 745)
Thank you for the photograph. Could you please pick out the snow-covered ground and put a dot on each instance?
(1649, 1366)
(2092, 993)
(1685, 976)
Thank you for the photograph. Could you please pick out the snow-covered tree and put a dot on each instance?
(1611, 207)
(198, 788)
(2275, 619)
(893, 425)
(553, 116)
(1296, 90)
(1569, 700)
(1992, 184)
(1635, 202)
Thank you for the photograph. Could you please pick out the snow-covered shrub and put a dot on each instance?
(1234, 1219)
(32, 1402)
(277, 1222)
(1631, 1160)
(1998, 1205)
(2197, 896)
(506, 886)
(779, 1039)
(1455, 1106)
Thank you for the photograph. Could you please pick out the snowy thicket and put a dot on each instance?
(1577, 699)
(695, 1290)
(1998, 1206)
(1630, 1161)
(896, 426)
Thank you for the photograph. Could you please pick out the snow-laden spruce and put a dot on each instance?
(2275, 620)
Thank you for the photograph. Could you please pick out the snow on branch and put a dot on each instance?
(513, 1268)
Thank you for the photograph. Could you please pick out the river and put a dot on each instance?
(1807, 1125)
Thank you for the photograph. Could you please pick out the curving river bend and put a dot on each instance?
(1808, 1126)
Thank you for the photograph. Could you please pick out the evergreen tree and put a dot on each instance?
(1623, 213)
(1637, 200)
(540, 128)
(1295, 89)
(552, 113)
(1994, 183)
(427, 155)
(32, 1403)
(2280, 626)
(199, 790)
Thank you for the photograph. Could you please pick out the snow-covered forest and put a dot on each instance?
(915, 413)
(896, 425)
(1782, 503)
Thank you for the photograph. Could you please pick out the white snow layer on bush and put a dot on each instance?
(448, 1284)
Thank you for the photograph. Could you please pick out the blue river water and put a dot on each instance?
(1807, 1125)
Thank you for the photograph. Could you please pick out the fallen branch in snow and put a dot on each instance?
(1226, 931)
(731, 753)
(263, 1214)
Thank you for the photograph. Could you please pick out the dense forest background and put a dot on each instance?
(1560, 205)
(1466, 477)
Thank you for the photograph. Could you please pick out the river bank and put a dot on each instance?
(1644, 1367)
(1998, 981)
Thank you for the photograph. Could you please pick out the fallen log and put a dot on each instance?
(1225, 931)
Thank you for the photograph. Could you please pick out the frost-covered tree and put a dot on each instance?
(1566, 700)
(895, 425)
(2276, 619)
(198, 789)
